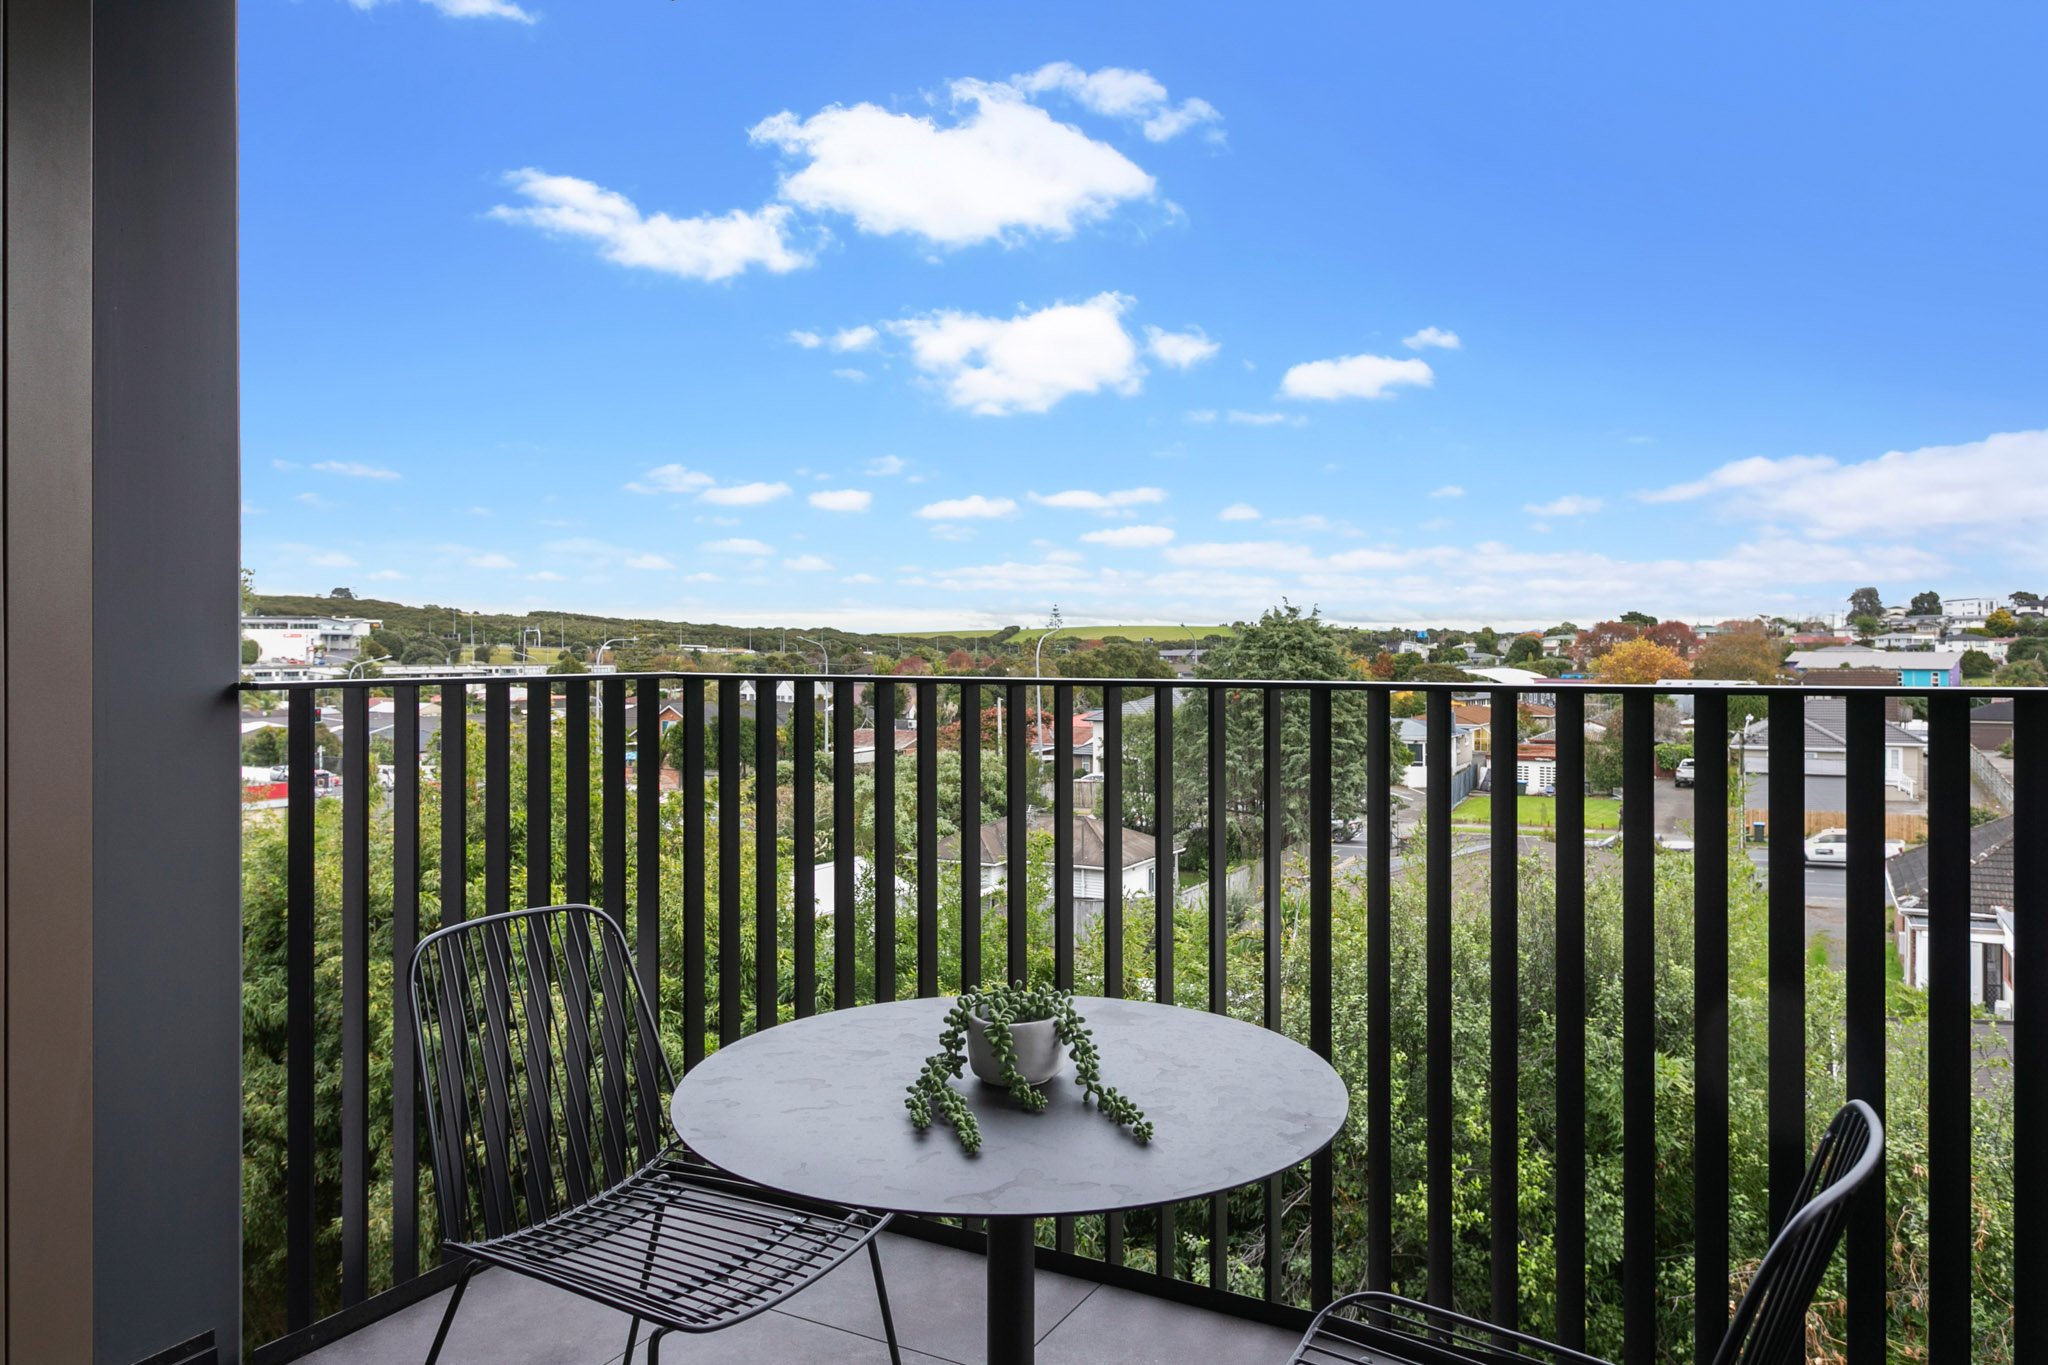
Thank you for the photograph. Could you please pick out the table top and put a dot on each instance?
(815, 1108)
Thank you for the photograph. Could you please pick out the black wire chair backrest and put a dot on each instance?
(543, 1071)
(1770, 1323)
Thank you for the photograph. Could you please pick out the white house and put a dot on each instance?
(1827, 750)
(1970, 606)
(1413, 731)
(1991, 914)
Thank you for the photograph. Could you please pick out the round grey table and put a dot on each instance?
(815, 1108)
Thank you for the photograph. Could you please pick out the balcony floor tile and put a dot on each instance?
(935, 1293)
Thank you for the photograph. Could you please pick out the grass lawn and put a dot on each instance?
(1157, 634)
(1602, 812)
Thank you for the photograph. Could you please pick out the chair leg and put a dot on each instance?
(882, 1294)
(632, 1335)
(654, 1347)
(454, 1302)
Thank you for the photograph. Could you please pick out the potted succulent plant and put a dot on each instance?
(1013, 1036)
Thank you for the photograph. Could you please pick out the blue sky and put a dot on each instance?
(1450, 314)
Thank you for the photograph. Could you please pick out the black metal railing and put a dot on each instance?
(1263, 771)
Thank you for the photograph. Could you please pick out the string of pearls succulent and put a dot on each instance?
(1001, 1006)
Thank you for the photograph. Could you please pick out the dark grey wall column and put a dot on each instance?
(123, 942)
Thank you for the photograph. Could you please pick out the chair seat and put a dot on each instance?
(683, 1246)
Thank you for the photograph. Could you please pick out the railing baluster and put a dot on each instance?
(647, 854)
(1272, 848)
(1504, 1009)
(1062, 869)
(1219, 939)
(1868, 919)
(540, 778)
(1163, 904)
(1109, 752)
(1710, 1024)
(1322, 1251)
(803, 741)
(1437, 1023)
(731, 1019)
(576, 792)
(1949, 1064)
(1786, 1083)
(1571, 1017)
(694, 1002)
(612, 773)
(405, 935)
(884, 867)
(970, 835)
(1379, 992)
(1638, 1028)
(1016, 827)
(300, 794)
(928, 839)
(766, 888)
(497, 797)
(355, 995)
(2030, 1024)
(454, 804)
(845, 953)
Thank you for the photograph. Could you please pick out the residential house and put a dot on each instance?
(1140, 859)
(1991, 724)
(903, 738)
(1992, 899)
(1971, 606)
(1827, 755)
(1926, 668)
(1413, 731)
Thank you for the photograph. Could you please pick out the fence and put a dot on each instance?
(1276, 760)
(1906, 828)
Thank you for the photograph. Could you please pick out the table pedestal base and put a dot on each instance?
(1012, 1326)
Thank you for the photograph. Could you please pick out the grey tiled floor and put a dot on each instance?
(936, 1295)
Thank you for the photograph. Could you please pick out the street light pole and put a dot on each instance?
(812, 700)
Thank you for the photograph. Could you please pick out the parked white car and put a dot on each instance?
(1832, 846)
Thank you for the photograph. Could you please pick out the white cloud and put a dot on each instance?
(1570, 505)
(854, 338)
(1238, 511)
(810, 341)
(1087, 500)
(1002, 170)
(860, 578)
(972, 506)
(1130, 537)
(1257, 419)
(330, 559)
(701, 248)
(647, 562)
(1202, 415)
(546, 576)
(1180, 350)
(1449, 490)
(885, 465)
(311, 499)
(736, 546)
(1119, 93)
(350, 469)
(1353, 376)
(1027, 363)
(945, 530)
(1432, 336)
(842, 500)
(851, 376)
(387, 575)
(807, 564)
(744, 494)
(702, 578)
(1994, 488)
(492, 560)
(479, 9)
(670, 478)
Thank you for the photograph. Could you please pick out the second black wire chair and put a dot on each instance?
(546, 1082)
(1769, 1327)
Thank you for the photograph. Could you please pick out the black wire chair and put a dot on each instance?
(1769, 1327)
(552, 1156)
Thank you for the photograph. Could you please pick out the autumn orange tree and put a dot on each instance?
(1640, 661)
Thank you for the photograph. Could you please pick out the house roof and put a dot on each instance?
(1827, 728)
(1139, 847)
(1991, 884)
(1414, 729)
(1851, 677)
(1997, 712)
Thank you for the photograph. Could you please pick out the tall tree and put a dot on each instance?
(1640, 661)
(1591, 644)
(1745, 653)
(1925, 604)
(1675, 636)
(1867, 602)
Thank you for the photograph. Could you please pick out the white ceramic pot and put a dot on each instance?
(1039, 1054)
